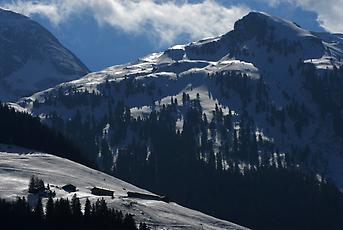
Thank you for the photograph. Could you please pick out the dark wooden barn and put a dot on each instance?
(102, 192)
(69, 188)
(147, 196)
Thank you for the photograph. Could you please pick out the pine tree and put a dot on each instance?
(219, 162)
(102, 207)
(211, 158)
(50, 209)
(38, 211)
(235, 143)
(32, 187)
(40, 185)
(254, 150)
(129, 222)
(106, 155)
(87, 211)
(76, 208)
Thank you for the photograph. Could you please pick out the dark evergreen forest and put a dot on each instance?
(220, 166)
(244, 179)
(64, 214)
(23, 130)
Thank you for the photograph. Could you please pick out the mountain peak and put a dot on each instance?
(261, 24)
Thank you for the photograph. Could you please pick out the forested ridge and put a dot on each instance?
(21, 129)
(244, 179)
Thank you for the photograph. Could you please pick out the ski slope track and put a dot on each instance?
(17, 165)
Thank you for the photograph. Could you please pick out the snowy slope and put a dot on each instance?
(18, 165)
(32, 59)
(260, 48)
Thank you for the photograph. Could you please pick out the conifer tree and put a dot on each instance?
(129, 222)
(32, 184)
(87, 210)
(76, 207)
(38, 211)
(49, 209)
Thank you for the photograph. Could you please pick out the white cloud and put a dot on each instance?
(329, 12)
(165, 20)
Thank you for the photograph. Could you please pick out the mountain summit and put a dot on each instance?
(32, 59)
(261, 24)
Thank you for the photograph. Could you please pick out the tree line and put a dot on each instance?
(23, 130)
(64, 214)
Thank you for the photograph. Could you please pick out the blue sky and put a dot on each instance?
(103, 33)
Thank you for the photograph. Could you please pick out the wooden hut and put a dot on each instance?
(101, 192)
(69, 188)
(148, 196)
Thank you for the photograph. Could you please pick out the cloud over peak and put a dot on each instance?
(329, 12)
(164, 20)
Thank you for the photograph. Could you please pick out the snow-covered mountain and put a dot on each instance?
(31, 58)
(269, 69)
(17, 165)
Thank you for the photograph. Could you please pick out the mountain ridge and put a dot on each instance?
(252, 57)
(32, 58)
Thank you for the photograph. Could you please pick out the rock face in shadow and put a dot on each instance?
(31, 58)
